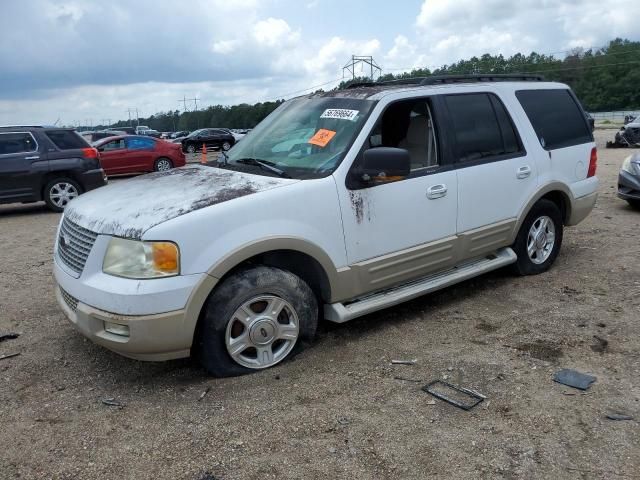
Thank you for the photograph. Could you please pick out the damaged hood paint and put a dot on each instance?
(129, 208)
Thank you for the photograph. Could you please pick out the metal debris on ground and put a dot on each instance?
(9, 336)
(619, 417)
(404, 362)
(204, 394)
(10, 355)
(112, 402)
(413, 380)
(456, 396)
(573, 378)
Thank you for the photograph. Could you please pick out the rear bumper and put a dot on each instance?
(92, 179)
(581, 207)
(628, 186)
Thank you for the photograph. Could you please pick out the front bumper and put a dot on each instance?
(628, 186)
(151, 337)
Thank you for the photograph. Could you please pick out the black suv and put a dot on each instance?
(212, 137)
(46, 163)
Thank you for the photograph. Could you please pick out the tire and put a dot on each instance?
(537, 251)
(234, 316)
(226, 146)
(162, 164)
(191, 148)
(634, 203)
(59, 192)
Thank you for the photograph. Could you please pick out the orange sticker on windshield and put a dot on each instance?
(322, 137)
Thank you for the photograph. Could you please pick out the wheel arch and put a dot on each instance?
(558, 193)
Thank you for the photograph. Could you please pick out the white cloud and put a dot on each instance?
(274, 32)
(225, 47)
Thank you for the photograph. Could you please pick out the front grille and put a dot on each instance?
(70, 300)
(74, 245)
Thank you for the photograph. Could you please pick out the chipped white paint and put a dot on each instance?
(130, 207)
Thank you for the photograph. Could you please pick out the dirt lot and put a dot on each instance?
(336, 410)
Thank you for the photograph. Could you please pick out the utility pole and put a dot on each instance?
(195, 101)
(129, 110)
(137, 117)
(366, 60)
(184, 103)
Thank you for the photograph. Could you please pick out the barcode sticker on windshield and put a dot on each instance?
(340, 113)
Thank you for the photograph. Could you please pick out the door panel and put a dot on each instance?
(390, 229)
(21, 166)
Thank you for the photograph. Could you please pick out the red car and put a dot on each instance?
(136, 153)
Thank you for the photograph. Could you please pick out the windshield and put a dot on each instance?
(303, 138)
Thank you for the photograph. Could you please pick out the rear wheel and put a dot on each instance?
(191, 148)
(539, 239)
(226, 146)
(254, 320)
(162, 165)
(59, 192)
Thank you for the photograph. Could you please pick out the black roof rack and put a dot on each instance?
(443, 79)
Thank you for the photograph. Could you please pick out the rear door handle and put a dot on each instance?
(524, 172)
(35, 157)
(436, 191)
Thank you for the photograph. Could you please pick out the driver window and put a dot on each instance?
(408, 125)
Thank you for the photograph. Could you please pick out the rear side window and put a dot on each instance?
(66, 139)
(140, 143)
(481, 126)
(17, 142)
(556, 117)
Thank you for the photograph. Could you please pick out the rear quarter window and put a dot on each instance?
(66, 139)
(556, 117)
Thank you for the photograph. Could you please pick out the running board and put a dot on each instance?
(340, 313)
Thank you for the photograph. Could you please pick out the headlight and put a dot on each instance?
(629, 166)
(137, 259)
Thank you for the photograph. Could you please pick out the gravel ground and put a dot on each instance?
(336, 411)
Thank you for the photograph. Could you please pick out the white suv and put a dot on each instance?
(337, 205)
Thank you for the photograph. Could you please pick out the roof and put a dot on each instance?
(36, 126)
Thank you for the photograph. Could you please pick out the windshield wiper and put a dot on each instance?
(265, 165)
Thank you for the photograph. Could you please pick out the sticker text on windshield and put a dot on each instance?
(340, 113)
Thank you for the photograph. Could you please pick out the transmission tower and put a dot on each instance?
(365, 61)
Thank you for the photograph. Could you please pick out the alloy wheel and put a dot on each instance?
(62, 193)
(541, 239)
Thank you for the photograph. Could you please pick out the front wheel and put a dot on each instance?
(634, 203)
(226, 146)
(539, 239)
(59, 192)
(191, 148)
(254, 320)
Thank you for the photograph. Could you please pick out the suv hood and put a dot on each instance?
(128, 208)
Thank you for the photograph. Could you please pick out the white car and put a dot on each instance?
(397, 190)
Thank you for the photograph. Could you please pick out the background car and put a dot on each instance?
(46, 163)
(182, 133)
(212, 137)
(137, 153)
(629, 180)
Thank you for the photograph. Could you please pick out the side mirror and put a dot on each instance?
(384, 164)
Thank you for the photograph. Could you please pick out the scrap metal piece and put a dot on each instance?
(9, 336)
(404, 362)
(619, 416)
(10, 355)
(432, 389)
(112, 402)
(573, 378)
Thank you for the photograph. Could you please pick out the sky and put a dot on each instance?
(90, 61)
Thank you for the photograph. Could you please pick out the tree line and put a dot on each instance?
(605, 78)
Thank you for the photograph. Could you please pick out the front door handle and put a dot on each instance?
(524, 172)
(35, 157)
(436, 191)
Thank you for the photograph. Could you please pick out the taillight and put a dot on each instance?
(89, 153)
(593, 163)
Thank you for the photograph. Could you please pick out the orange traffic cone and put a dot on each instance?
(203, 160)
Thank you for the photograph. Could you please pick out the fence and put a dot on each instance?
(618, 116)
